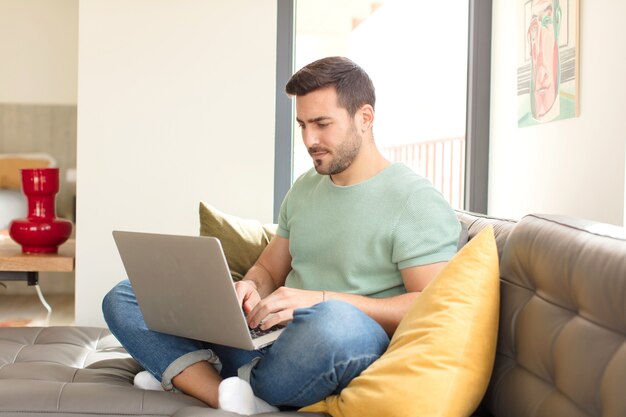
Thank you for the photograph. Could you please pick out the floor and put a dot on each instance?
(27, 310)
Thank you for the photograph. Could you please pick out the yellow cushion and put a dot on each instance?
(242, 240)
(440, 358)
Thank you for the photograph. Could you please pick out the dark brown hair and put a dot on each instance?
(354, 87)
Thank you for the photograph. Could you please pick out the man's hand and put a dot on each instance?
(278, 307)
(266, 275)
(247, 294)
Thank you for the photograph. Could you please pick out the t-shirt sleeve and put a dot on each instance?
(286, 206)
(283, 226)
(427, 230)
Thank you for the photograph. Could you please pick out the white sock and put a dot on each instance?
(235, 395)
(145, 380)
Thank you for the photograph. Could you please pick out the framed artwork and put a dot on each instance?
(548, 61)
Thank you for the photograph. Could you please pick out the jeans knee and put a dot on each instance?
(320, 352)
(113, 301)
(339, 324)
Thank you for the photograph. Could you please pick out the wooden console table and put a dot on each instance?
(18, 266)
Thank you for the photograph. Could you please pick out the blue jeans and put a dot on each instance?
(318, 354)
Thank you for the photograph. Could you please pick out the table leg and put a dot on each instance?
(32, 279)
(45, 304)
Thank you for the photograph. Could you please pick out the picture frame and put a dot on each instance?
(548, 73)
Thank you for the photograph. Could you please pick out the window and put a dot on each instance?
(422, 57)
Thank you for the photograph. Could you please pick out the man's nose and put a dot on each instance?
(310, 138)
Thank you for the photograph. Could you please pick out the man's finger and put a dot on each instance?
(281, 317)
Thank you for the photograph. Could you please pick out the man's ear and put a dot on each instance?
(366, 114)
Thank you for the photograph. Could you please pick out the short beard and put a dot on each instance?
(344, 156)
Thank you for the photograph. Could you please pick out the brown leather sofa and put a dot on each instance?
(561, 345)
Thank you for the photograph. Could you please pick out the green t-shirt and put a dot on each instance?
(356, 239)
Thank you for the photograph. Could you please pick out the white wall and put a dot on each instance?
(576, 166)
(176, 105)
(38, 51)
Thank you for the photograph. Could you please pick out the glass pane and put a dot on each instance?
(416, 54)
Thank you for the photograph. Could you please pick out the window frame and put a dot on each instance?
(478, 107)
(284, 115)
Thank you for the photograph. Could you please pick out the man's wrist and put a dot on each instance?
(251, 282)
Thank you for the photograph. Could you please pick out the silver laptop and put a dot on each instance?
(184, 287)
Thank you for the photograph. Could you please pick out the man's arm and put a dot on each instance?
(389, 311)
(386, 311)
(267, 274)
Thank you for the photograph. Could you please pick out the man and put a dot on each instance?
(358, 239)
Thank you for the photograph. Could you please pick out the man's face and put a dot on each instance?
(329, 133)
(544, 50)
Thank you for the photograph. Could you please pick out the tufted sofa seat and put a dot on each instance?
(74, 370)
(80, 371)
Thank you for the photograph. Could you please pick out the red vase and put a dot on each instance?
(41, 231)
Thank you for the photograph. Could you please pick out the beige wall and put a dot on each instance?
(176, 105)
(38, 51)
(576, 166)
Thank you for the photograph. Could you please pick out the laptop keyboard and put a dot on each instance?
(258, 332)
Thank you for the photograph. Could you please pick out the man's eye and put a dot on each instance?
(323, 124)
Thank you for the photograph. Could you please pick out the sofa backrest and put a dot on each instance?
(562, 334)
(476, 222)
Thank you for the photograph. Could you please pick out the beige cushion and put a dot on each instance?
(440, 358)
(10, 166)
(242, 240)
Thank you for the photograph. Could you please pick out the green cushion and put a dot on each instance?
(243, 240)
